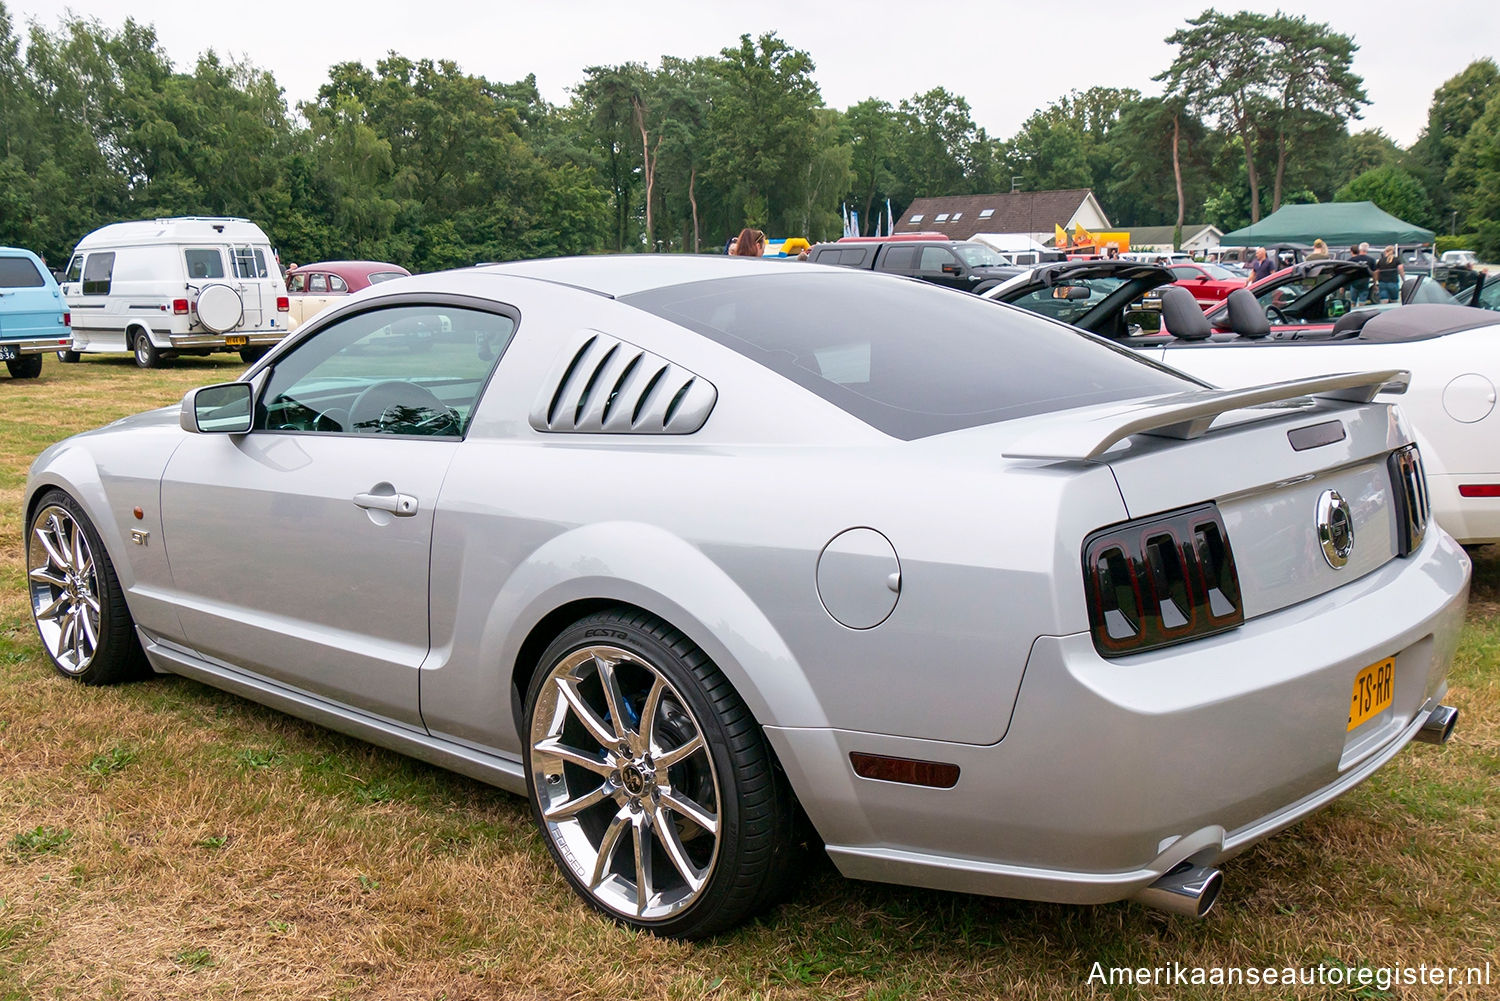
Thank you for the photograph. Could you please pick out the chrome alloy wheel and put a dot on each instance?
(625, 782)
(64, 588)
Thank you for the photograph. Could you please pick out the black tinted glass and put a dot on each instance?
(19, 272)
(908, 358)
(96, 274)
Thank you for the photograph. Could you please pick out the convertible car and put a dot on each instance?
(1449, 350)
(681, 548)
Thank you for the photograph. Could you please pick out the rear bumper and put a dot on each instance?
(253, 338)
(1112, 772)
(40, 345)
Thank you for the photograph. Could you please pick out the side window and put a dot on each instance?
(317, 283)
(75, 269)
(204, 262)
(96, 273)
(1184, 274)
(899, 259)
(1489, 296)
(336, 284)
(403, 370)
(19, 272)
(296, 283)
(933, 258)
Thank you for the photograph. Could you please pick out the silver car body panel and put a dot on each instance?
(1079, 775)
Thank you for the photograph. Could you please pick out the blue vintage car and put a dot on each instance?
(33, 314)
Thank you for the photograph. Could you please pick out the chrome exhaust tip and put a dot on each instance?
(1188, 889)
(1438, 726)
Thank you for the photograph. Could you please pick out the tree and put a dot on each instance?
(1475, 178)
(1246, 69)
(870, 131)
(761, 126)
(935, 145)
(1456, 107)
(1393, 190)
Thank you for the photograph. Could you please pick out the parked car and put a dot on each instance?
(701, 541)
(33, 316)
(312, 287)
(1456, 286)
(1460, 258)
(1449, 350)
(1208, 283)
(189, 285)
(1416, 260)
(964, 265)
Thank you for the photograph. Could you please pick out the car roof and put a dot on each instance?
(350, 267)
(625, 274)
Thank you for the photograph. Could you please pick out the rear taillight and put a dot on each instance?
(180, 306)
(67, 319)
(283, 304)
(1160, 580)
(1409, 483)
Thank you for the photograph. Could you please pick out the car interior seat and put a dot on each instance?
(1350, 324)
(1181, 314)
(1246, 318)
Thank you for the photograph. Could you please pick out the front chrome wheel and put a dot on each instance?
(64, 585)
(625, 783)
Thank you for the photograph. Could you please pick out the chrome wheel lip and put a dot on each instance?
(625, 786)
(63, 582)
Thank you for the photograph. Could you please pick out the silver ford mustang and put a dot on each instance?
(684, 548)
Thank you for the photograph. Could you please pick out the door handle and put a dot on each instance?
(401, 505)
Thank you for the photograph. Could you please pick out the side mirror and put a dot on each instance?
(952, 269)
(222, 409)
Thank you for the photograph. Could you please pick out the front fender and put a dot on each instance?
(627, 562)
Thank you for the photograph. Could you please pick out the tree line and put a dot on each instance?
(423, 164)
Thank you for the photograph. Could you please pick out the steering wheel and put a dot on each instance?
(399, 407)
(1275, 315)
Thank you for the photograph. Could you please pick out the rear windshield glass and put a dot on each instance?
(376, 277)
(204, 262)
(19, 272)
(908, 358)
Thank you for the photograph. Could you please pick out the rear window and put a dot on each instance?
(249, 262)
(376, 277)
(907, 358)
(204, 262)
(19, 272)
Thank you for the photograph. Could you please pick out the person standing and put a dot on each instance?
(1361, 286)
(1262, 266)
(1388, 275)
(1319, 251)
(750, 243)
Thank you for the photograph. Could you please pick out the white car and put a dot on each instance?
(1452, 353)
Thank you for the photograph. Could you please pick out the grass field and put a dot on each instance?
(165, 840)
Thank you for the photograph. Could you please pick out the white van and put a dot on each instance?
(188, 285)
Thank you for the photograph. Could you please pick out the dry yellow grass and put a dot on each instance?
(165, 840)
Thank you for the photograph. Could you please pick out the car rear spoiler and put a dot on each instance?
(1190, 415)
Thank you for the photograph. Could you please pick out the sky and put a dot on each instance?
(1006, 58)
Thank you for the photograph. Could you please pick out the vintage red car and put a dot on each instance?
(311, 287)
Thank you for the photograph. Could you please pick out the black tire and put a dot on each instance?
(62, 591)
(146, 354)
(25, 367)
(252, 355)
(746, 869)
(68, 357)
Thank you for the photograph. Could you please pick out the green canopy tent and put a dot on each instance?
(1340, 224)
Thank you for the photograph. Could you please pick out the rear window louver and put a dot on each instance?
(603, 385)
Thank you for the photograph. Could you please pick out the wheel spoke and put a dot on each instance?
(92, 602)
(77, 548)
(78, 638)
(56, 610)
(44, 575)
(692, 811)
(607, 846)
(69, 628)
(578, 804)
(679, 754)
(557, 749)
(642, 863)
(616, 701)
(90, 631)
(648, 714)
(596, 727)
(671, 843)
(49, 543)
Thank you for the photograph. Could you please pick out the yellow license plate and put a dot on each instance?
(237, 341)
(1374, 687)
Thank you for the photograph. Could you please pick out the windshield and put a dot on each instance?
(1218, 273)
(907, 358)
(977, 255)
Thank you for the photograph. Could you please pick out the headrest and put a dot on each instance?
(1246, 318)
(1182, 316)
(1350, 324)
